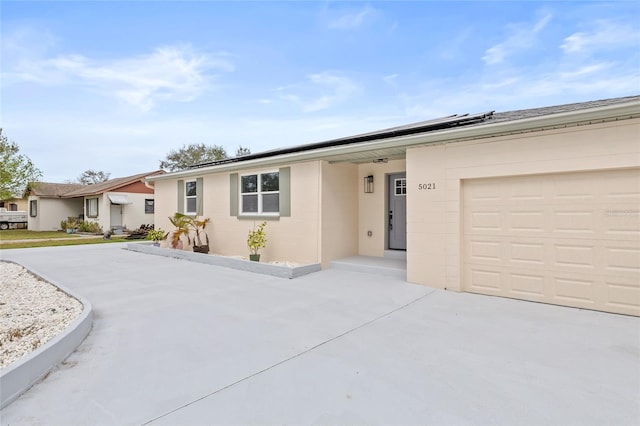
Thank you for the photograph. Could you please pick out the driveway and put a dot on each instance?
(176, 342)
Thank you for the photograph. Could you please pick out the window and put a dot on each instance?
(400, 186)
(92, 207)
(149, 205)
(13, 207)
(260, 193)
(191, 195)
(33, 208)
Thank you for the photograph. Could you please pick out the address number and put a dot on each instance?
(426, 186)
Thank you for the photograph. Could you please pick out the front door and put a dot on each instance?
(116, 215)
(397, 213)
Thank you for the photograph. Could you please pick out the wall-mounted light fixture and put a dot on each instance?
(368, 184)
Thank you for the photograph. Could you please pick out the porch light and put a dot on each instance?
(368, 184)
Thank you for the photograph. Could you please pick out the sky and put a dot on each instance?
(114, 86)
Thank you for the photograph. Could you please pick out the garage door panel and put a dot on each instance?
(482, 251)
(574, 222)
(623, 295)
(622, 258)
(526, 221)
(486, 280)
(571, 239)
(527, 286)
(575, 255)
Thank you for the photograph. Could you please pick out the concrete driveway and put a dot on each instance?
(176, 342)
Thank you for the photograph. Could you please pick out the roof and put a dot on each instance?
(70, 190)
(110, 185)
(392, 143)
(50, 189)
(449, 122)
(557, 109)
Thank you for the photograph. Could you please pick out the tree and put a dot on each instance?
(242, 151)
(16, 171)
(91, 177)
(190, 155)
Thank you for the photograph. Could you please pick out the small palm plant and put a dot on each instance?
(181, 227)
(198, 226)
(257, 239)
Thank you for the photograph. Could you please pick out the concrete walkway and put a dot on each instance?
(176, 342)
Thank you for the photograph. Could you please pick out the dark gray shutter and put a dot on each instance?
(233, 194)
(199, 188)
(285, 191)
(180, 196)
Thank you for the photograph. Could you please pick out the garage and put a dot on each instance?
(570, 239)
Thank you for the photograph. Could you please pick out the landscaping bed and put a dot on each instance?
(276, 269)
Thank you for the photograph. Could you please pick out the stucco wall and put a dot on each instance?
(373, 207)
(51, 211)
(133, 214)
(339, 211)
(434, 215)
(293, 238)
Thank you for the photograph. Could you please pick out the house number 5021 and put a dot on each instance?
(426, 186)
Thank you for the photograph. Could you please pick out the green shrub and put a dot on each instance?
(90, 227)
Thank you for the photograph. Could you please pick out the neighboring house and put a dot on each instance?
(121, 202)
(14, 204)
(538, 204)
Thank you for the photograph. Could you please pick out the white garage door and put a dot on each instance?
(570, 239)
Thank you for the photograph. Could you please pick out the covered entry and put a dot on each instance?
(118, 201)
(569, 239)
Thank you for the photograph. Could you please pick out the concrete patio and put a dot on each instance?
(177, 342)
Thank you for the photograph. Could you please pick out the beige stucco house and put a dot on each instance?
(14, 204)
(539, 204)
(121, 202)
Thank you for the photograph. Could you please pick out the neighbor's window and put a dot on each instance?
(260, 193)
(13, 207)
(92, 207)
(191, 196)
(33, 208)
(149, 205)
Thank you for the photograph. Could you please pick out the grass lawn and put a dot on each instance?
(12, 238)
(25, 234)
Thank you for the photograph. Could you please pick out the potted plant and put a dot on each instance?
(181, 227)
(70, 225)
(155, 236)
(257, 239)
(198, 226)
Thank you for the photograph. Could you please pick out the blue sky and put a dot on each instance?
(114, 86)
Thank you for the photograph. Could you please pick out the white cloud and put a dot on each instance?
(352, 19)
(606, 35)
(341, 89)
(323, 91)
(391, 79)
(523, 89)
(177, 73)
(522, 37)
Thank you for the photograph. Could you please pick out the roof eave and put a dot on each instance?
(609, 112)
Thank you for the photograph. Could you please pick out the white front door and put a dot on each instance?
(116, 215)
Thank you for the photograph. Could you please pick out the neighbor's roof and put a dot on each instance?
(111, 184)
(70, 190)
(50, 189)
(392, 143)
